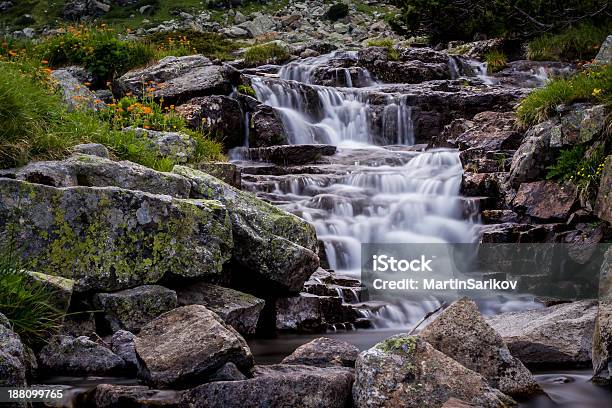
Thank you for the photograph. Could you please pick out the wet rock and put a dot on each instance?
(92, 149)
(266, 128)
(108, 239)
(66, 355)
(534, 154)
(217, 114)
(482, 184)
(463, 334)
(545, 200)
(229, 372)
(184, 346)
(122, 344)
(291, 155)
(311, 313)
(113, 396)
(476, 49)
(486, 131)
(406, 371)
(177, 146)
(553, 336)
(602, 336)
(226, 172)
(532, 74)
(131, 309)
(179, 79)
(93, 171)
(75, 94)
(277, 386)
(604, 56)
(239, 310)
(12, 356)
(603, 205)
(271, 245)
(513, 232)
(324, 352)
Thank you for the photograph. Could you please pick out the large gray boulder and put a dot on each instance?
(277, 386)
(75, 94)
(130, 309)
(182, 347)
(406, 371)
(179, 79)
(115, 396)
(239, 310)
(553, 336)
(111, 239)
(270, 244)
(463, 334)
(311, 313)
(66, 355)
(266, 128)
(122, 344)
(12, 356)
(604, 56)
(324, 352)
(603, 205)
(545, 200)
(176, 146)
(94, 171)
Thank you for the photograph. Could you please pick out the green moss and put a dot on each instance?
(247, 90)
(400, 343)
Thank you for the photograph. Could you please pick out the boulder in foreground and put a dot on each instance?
(324, 352)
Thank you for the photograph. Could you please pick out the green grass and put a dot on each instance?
(211, 45)
(25, 301)
(270, 53)
(579, 166)
(589, 86)
(496, 61)
(392, 52)
(579, 43)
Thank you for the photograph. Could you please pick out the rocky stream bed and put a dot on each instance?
(237, 284)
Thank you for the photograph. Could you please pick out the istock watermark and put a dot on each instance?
(559, 271)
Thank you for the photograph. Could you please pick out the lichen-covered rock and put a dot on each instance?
(12, 356)
(75, 94)
(545, 200)
(177, 146)
(66, 355)
(130, 309)
(122, 344)
(603, 205)
(556, 335)
(463, 334)
(324, 352)
(534, 154)
(218, 115)
(111, 239)
(277, 386)
(239, 310)
(179, 79)
(227, 172)
(291, 155)
(114, 396)
(92, 149)
(406, 371)
(94, 171)
(58, 289)
(311, 313)
(266, 128)
(604, 56)
(602, 335)
(269, 243)
(184, 346)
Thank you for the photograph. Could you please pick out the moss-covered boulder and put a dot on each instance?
(131, 309)
(271, 245)
(110, 239)
(406, 371)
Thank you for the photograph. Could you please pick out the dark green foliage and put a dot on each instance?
(579, 166)
(337, 11)
(579, 43)
(448, 20)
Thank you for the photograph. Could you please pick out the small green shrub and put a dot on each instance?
(579, 43)
(143, 113)
(496, 61)
(266, 54)
(247, 90)
(594, 85)
(99, 50)
(392, 52)
(337, 11)
(25, 301)
(579, 167)
(186, 42)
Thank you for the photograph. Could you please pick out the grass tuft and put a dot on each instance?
(496, 61)
(270, 53)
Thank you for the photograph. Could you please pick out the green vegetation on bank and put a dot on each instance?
(593, 85)
(496, 61)
(579, 166)
(212, 45)
(388, 43)
(446, 20)
(25, 301)
(578, 43)
(270, 53)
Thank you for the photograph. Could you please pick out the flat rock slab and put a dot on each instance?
(113, 396)
(109, 239)
(545, 200)
(239, 310)
(291, 155)
(463, 334)
(277, 386)
(552, 336)
(324, 352)
(183, 347)
(131, 309)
